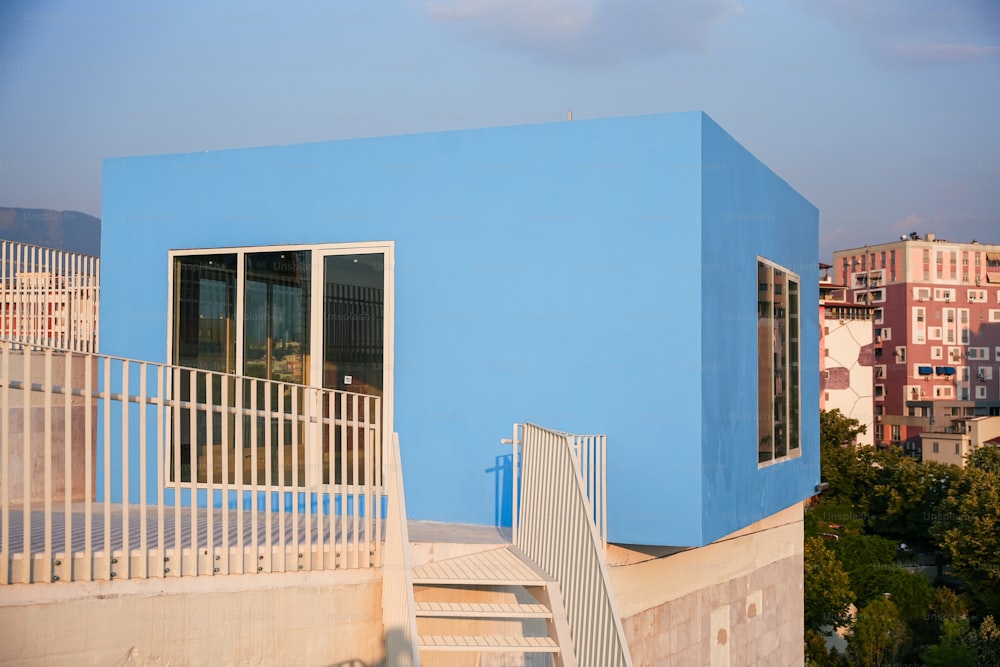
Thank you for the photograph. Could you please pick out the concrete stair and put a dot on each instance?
(491, 601)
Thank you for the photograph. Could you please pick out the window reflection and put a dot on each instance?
(778, 372)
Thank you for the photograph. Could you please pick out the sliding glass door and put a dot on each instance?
(296, 316)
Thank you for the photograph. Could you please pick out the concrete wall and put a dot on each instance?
(329, 619)
(735, 602)
(14, 422)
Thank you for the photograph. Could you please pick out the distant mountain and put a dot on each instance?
(64, 230)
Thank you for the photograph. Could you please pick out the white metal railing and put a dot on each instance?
(556, 531)
(590, 458)
(131, 469)
(49, 297)
(398, 610)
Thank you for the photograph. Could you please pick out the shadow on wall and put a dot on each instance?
(398, 649)
(502, 471)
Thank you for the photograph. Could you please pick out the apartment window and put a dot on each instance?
(978, 261)
(879, 392)
(957, 446)
(894, 430)
(977, 296)
(994, 315)
(878, 316)
(901, 354)
(934, 447)
(944, 392)
(778, 367)
(981, 392)
(996, 352)
(944, 295)
(936, 352)
(965, 258)
(985, 373)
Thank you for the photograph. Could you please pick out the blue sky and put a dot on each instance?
(884, 114)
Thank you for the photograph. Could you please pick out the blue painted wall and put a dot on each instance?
(558, 273)
(748, 211)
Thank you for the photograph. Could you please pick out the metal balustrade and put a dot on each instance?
(591, 460)
(556, 530)
(49, 297)
(113, 468)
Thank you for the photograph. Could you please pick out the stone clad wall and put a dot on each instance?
(738, 601)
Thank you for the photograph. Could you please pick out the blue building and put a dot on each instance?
(272, 317)
(641, 277)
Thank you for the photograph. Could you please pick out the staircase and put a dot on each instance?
(490, 602)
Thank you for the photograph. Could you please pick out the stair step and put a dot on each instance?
(487, 643)
(481, 610)
(495, 567)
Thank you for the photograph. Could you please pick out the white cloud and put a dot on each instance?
(589, 32)
(919, 32)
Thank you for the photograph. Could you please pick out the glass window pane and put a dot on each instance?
(793, 364)
(204, 337)
(276, 317)
(353, 306)
(765, 364)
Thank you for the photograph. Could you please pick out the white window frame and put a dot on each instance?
(318, 251)
(792, 449)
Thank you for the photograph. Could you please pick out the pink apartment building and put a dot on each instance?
(936, 313)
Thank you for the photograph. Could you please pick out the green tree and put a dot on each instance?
(818, 655)
(953, 649)
(828, 594)
(837, 430)
(879, 634)
(867, 559)
(839, 465)
(968, 527)
(907, 495)
(986, 641)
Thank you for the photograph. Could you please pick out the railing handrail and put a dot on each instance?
(558, 533)
(398, 607)
(50, 294)
(592, 469)
(322, 480)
